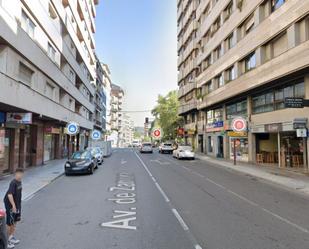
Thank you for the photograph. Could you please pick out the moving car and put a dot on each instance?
(81, 162)
(166, 148)
(136, 144)
(3, 238)
(97, 152)
(146, 148)
(183, 152)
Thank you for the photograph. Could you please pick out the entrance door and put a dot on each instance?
(5, 143)
(220, 147)
(201, 143)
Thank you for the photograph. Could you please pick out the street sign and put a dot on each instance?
(300, 123)
(96, 135)
(156, 133)
(239, 124)
(294, 103)
(72, 128)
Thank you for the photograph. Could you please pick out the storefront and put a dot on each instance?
(280, 144)
(238, 143)
(5, 145)
(51, 143)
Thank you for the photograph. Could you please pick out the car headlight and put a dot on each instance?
(67, 165)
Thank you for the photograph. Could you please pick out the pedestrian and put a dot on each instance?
(12, 203)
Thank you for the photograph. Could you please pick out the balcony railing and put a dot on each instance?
(187, 106)
(186, 89)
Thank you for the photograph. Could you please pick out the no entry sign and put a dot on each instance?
(239, 124)
(156, 133)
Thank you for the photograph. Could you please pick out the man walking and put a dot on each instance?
(12, 203)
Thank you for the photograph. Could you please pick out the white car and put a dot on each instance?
(184, 152)
(166, 148)
(146, 148)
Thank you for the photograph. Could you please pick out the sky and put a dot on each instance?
(137, 39)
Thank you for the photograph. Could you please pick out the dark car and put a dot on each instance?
(97, 152)
(3, 239)
(81, 162)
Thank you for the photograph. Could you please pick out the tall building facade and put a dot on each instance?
(100, 99)
(243, 58)
(47, 71)
(108, 86)
(127, 131)
(117, 95)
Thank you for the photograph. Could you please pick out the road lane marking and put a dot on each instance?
(162, 192)
(180, 219)
(198, 174)
(248, 201)
(175, 212)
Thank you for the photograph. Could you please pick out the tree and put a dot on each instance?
(166, 114)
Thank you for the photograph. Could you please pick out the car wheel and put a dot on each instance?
(2, 245)
(67, 174)
(91, 170)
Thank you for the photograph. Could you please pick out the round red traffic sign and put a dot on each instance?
(157, 133)
(239, 124)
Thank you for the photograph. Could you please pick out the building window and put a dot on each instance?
(51, 10)
(236, 110)
(72, 76)
(276, 4)
(51, 52)
(231, 73)
(219, 80)
(228, 11)
(25, 73)
(49, 90)
(274, 100)
(27, 24)
(230, 41)
(250, 62)
(210, 86)
(218, 52)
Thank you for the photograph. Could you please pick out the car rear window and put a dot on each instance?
(167, 144)
(146, 144)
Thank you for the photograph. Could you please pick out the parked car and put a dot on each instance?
(97, 152)
(3, 236)
(183, 152)
(146, 148)
(166, 148)
(81, 162)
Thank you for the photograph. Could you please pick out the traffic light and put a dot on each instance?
(146, 120)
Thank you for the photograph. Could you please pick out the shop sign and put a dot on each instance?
(215, 126)
(237, 134)
(191, 132)
(301, 132)
(300, 123)
(239, 124)
(273, 128)
(52, 130)
(19, 118)
(294, 103)
(72, 128)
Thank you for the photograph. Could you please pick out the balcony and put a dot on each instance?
(187, 106)
(186, 89)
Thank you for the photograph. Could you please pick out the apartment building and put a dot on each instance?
(127, 131)
(47, 71)
(243, 58)
(117, 95)
(100, 99)
(108, 86)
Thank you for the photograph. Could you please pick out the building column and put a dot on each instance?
(251, 136)
(38, 144)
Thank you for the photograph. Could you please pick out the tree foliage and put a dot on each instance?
(166, 114)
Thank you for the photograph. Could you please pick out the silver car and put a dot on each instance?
(146, 148)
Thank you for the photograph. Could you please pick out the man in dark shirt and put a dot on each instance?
(12, 203)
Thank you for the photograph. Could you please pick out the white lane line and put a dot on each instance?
(243, 198)
(198, 174)
(198, 247)
(217, 184)
(162, 192)
(286, 221)
(180, 219)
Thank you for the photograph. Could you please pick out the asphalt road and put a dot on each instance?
(152, 201)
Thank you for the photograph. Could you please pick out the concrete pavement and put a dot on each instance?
(35, 178)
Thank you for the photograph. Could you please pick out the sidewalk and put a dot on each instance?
(35, 178)
(292, 180)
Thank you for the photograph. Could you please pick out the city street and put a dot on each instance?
(153, 201)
